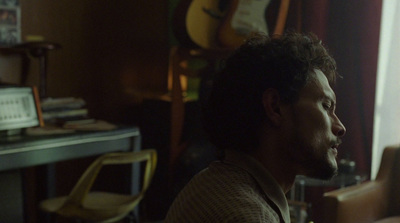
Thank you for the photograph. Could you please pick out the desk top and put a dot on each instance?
(29, 142)
(27, 150)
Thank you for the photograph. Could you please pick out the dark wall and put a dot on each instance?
(113, 52)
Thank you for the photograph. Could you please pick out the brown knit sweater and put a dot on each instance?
(238, 189)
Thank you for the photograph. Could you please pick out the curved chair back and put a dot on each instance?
(86, 181)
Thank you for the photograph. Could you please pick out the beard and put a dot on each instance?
(314, 158)
(310, 147)
(320, 169)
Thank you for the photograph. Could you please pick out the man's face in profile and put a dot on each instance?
(315, 130)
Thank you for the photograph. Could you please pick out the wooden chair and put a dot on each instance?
(86, 205)
(375, 201)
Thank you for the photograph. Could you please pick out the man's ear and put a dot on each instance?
(271, 102)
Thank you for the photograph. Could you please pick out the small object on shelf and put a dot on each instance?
(62, 103)
(39, 49)
(60, 110)
(49, 116)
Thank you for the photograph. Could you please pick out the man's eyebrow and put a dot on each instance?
(330, 98)
(329, 95)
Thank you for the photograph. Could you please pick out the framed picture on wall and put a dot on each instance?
(10, 22)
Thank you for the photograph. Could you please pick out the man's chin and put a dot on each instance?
(325, 172)
(331, 170)
(324, 176)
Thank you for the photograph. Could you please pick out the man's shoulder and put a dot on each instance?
(221, 191)
(220, 175)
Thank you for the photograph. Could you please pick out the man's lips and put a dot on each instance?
(334, 149)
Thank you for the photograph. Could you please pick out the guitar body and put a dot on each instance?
(202, 22)
(243, 18)
(223, 24)
(179, 28)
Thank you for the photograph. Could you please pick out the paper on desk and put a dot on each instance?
(48, 130)
(98, 125)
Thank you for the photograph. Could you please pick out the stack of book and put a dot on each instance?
(65, 111)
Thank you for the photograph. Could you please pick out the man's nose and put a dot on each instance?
(338, 128)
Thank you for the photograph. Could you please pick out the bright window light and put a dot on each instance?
(387, 99)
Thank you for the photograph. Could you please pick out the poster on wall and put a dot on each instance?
(10, 22)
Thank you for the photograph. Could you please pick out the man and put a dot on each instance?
(272, 113)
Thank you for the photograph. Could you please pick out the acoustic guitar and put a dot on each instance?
(221, 24)
(179, 28)
(196, 22)
(208, 23)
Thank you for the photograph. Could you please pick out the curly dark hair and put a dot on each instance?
(234, 114)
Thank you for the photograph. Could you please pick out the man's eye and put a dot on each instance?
(327, 106)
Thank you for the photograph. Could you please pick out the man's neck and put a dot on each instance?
(278, 166)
